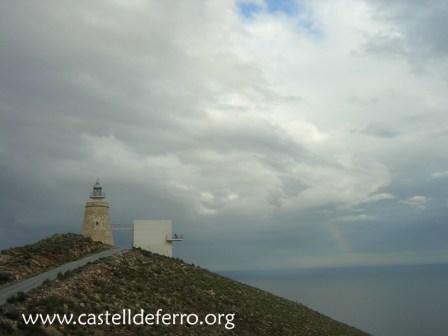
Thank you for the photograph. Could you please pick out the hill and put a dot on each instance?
(22, 262)
(137, 280)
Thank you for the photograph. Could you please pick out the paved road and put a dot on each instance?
(30, 283)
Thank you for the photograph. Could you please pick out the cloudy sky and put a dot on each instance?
(275, 134)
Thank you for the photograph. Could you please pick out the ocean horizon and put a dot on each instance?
(402, 300)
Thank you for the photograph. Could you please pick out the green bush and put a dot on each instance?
(19, 297)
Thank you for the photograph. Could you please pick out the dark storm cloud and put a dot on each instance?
(421, 29)
(187, 112)
(377, 130)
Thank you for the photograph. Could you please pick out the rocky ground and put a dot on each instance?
(25, 261)
(140, 280)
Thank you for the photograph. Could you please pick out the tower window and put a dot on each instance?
(96, 223)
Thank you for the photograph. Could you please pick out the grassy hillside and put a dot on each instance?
(140, 280)
(22, 262)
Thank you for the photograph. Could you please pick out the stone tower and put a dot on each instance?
(97, 223)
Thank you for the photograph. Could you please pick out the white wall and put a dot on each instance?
(151, 235)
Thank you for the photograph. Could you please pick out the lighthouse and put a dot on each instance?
(97, 223)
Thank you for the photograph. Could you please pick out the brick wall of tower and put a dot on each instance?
(97, 224)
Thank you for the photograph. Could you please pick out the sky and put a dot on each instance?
(275, 134)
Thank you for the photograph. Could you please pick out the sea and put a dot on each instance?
(383, 301)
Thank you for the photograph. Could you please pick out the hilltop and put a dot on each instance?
(22, 262)
(137, 279)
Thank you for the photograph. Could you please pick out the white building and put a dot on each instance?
(155, 236)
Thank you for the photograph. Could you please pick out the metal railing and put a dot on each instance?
(96, 195)
(175, 237)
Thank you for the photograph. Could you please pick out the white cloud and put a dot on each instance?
(438, 175)
(417, 201)
(380, 197)
(356, 218)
